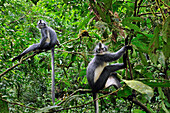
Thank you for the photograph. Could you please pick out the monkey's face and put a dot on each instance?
(41, 24)
(100, 48)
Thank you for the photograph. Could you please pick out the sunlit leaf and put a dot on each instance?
(138, 111)
(140, 87)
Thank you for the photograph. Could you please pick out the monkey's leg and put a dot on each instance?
(53, 75)
(100, 83)
(31, 48)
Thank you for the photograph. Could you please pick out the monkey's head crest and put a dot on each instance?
(100, 48)
(41, 24)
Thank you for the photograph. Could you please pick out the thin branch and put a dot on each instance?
(134, 13)
(164, 4)
(157, 3)
(149, 13)
(135, 101)
(14, 103)
(3, 73)
(90, 101)
(139, 6)
(86, 90)
(130, 68)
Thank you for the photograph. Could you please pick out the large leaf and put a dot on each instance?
(166, 30)
(140, 87)
(143, 58)
(141, 46)
(128, 22)
(166, 48)
(154, 44)
(154, 57)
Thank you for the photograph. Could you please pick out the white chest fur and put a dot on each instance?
(48, 39)
(98, 72)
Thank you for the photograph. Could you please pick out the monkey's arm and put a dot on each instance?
(44, 38)
(109, 57)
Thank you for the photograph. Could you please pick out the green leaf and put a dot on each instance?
(166, 48)
(154, 57)
(140, 45)
(143, 58)
(124, 93)
(128, 22)
(158, 84)
(140, 87)
(154, 44)
(83, 72)
(166, 30)
(161, 94)
(138, 111)
(73, 58)
(164, 108)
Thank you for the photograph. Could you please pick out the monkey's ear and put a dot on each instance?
(44, 24)
(100, 45)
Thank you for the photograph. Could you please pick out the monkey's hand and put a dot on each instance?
(129, 48)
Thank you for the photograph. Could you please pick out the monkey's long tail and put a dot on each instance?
(96, 105)
(53, 76)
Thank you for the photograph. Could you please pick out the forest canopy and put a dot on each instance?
(25, 86)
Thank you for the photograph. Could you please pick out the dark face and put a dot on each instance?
(41, 24)
(100, 48)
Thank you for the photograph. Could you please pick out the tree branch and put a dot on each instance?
(135, 101)
(88, 102)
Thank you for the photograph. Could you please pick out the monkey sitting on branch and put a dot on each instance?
(47, 42)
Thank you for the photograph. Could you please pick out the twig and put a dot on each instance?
(163, 16)
(14, 103)
(130, 68)
(134, 13)
(164, 4)
(90, 101)
(73, 94)
(139, 6)
(135, 101)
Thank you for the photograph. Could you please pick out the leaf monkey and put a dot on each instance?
(99, 74)
(47, 42)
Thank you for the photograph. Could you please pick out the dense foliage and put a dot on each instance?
(80, 24)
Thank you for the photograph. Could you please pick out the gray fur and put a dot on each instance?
(101, 58)
(47, 42)
(43, 42)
